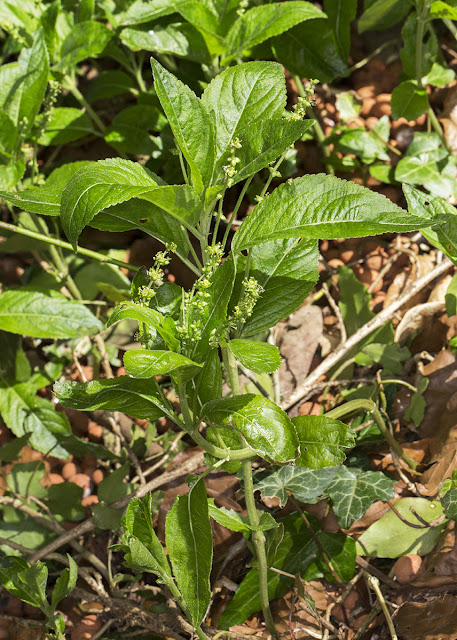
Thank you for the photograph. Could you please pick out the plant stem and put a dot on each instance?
(99, 257)
(235, 211)
(374, 584)
(232, 370)
(320, 135)
(70, 84)
(258, 539)
(369, 405)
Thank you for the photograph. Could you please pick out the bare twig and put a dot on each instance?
(337, 312)
(364, 331)
(374, 584)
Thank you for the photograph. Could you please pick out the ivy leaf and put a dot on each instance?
(190, 123)
(137, 398)
(189, 542)
(322, 441)
(265, 21)
(45, 314)
(143, 363)
(306, 485)
(390, 537)
(449, 503)
(353, 492)
(259, 357)
(409, 100)
(240, 98)
(322, 206)
(265, 427)
(234, 521)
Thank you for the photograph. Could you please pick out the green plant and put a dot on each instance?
(243, 287)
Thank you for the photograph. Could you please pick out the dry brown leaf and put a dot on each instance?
(298, 346)
(415, 319)
(438, 619)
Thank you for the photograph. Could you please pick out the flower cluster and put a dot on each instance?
(54, 88)
(242, 7)
(230, 167)
(155, 275)
(304, 102)
(252, 291)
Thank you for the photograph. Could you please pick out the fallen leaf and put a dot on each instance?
(438, 619)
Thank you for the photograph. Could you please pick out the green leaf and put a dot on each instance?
(433, 169)
(65, 125)
(365, 144)
(391, 357)
(287, 271)
(113, 487)
(443, 10)
(260, 357)
(143, 216)
(180, 39)
(24, 581)
(265, 21)
(138, 398)
(65, 583)
(310, 50)
(11, 174)
(189, 542)
(263, 144)
(8, 135)
(234, 521)
(209, 382)
(382, 14)
(24, 95)
(429, 50)
(390, 537)
(142, 548)
(306, 485)
(98, 186)
(348, 105)
(45, 314)
(109, 84)
(64, 502)
(451, 297)
(322, 206)
(340, 14)
(11, 450)
(27, 414)
(322, 441)
(191, 124)
(140, 11)
(85, 40)
(143, 363)
(438, 76)
(240, 98)
(128, 129)
(409, 100)
(264, 426)
(150, 317)
(449, 503)
(42, 200)
(353, 492)
(443, 236)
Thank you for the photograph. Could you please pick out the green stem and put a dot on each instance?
(235, 211)
(258, 539)
(70, 84)
(94, 255)
(232, 370)
(369, 405)
(319, 133)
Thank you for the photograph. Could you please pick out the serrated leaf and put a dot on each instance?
(259, 357)
(260, 23)
(322, 441)
(190, 548)
(109, 84)
(180, 39)
(234, 521)
(86, 40)
(310, 50)
(150, 317)
(144, 363)
(264, 426)
(140, 11)
(138, 398)
(65, 583)
(409, 100)
(22, 99)
(390, 537)
(45, 314)
(24, 581)
(287, 272)
(65, 125)
(353, 492)
(240, 98)
(191, 124)
(306, 485)
(209, 381)
(142, 548)
(322, 206)
(42, 200)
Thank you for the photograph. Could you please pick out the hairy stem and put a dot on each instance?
(369, 405)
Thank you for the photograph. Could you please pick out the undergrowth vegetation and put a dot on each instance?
(162, 232)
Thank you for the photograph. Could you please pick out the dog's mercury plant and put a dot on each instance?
(199, 337)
